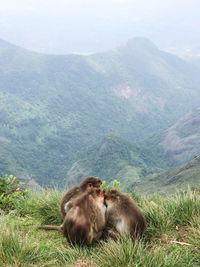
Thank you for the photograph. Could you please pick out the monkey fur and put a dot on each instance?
(76, 191)
(85, 221)
(123, 216)
(69, 196)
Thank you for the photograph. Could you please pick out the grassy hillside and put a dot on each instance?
(170, 220)
(52, 108)
(176, 178)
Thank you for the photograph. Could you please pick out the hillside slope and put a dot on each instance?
(112, 158)
(169, 181)
(181, 141)
(54, 107)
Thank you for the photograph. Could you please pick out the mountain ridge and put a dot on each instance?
(53, 107)
(178, 178)
(181, 141)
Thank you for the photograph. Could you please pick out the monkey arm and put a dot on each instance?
(113, 233)
(68, 206)
(68, 196)
(97, 236)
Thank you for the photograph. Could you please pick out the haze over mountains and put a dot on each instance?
(107, 114)
(62, 27)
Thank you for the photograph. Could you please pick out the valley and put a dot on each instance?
(121, 114)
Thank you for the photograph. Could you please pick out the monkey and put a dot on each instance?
(85, 221)
(76, 191)
(123, 217)
(67, 200)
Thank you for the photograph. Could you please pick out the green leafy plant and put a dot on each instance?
(113, 184)
(11, 190)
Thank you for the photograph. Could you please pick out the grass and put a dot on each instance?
(174, 218)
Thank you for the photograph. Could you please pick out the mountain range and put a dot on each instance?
(113, 114)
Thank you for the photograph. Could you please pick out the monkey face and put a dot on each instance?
(98, 195)
(112, 197)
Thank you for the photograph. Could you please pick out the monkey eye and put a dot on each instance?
(90, 184)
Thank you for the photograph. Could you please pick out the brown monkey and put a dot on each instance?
(85, 220)
(68, 198)
(76, 191)
(124, 218)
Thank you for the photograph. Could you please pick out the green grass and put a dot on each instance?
(174, 218)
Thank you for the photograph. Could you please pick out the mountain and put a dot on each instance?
(112, 158)
(54, 107)
(181, 141)
(169, 181)
(179, 146)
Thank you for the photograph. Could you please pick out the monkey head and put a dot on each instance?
(90, 182)
(98, 195)
(112, 197)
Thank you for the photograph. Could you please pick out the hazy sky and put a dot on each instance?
(65, 26)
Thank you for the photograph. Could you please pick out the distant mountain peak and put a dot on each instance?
(141, 43)
(7, 46)
(4, 43)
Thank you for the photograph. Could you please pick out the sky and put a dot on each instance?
(88, 26)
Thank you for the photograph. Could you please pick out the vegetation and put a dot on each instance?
(168, 181)
(181, 141)
(113, 158)
(172, 237)
(11, 190)
(54, 108)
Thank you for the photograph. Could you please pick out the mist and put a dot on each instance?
(76, 26)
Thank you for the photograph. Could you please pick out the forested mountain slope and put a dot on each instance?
(172, 180)
(52, 108)
(181, 141)
(111, 158)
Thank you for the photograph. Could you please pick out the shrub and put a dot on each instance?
(11, 190)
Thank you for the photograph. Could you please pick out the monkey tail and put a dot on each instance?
(51, 227)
